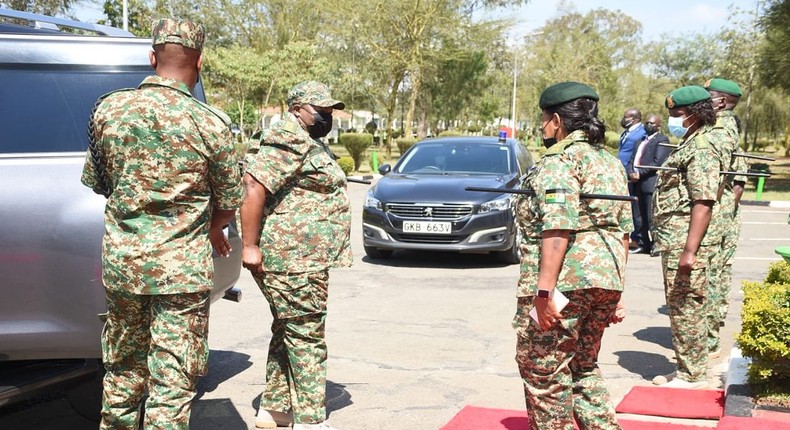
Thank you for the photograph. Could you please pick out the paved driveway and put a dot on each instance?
(415, 338)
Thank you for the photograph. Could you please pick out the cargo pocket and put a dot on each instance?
(196, 356)
(110, 346)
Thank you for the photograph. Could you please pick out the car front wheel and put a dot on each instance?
(513, 255)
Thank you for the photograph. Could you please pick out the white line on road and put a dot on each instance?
(765, 212)
(764, 223)
(770, 238)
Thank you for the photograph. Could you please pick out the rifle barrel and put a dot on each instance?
(532, 193)
(358, 181)
(723, 172)
(756, 157)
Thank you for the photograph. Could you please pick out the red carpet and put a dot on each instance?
(476, 418)
(744, 423)
(648, 425)
(673, 402)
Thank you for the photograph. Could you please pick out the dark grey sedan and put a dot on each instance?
(422, 204)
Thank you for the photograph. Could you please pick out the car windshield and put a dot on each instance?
(453, 157)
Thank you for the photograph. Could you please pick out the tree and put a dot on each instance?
(140, 16)
(774, 61)
(45, 7)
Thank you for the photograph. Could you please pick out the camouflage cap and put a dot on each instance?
(185, 33)
(313, 93)
(723, 86)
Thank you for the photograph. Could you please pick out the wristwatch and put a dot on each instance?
(545, 294)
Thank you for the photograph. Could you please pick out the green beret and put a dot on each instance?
(685, 96)
(564, 92)
(723, 86)
(185, 33)
(313, 93)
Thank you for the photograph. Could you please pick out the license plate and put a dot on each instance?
(426, 227)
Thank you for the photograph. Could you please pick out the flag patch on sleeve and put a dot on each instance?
(555, 196)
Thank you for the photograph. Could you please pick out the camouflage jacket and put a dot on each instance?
(595, 257)
(307, 217)
(697, 179)
(724, 139)
(169, 159)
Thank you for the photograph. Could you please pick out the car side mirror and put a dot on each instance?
(384, 169)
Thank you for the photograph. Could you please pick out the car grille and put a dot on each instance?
(443, 212)
(426, 238)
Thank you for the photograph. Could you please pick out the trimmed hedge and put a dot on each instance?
(347, 164)
(450, 133)
(765, 327)
(404, 143)
(356, 144)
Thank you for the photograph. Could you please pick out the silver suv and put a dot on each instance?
(50, 224)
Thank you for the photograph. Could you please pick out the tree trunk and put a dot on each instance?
(416, 80)
(747, 122)
(393, 97)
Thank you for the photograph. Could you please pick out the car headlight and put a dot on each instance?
(501, 204)
(372, 202)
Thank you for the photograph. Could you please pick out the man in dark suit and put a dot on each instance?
(648, 153)
(633, 134)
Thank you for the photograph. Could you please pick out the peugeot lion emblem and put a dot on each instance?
(428, 211)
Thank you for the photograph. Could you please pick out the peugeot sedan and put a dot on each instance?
(421, 203)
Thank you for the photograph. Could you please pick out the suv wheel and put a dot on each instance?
(513, 255)
(376, 253)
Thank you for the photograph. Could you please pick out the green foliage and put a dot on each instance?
(474, 129)
(347, 164)
(356, 144)
(612, 140)
(139, 16)
(450, 133)
(404, 143)
(46, 7)
(774, 61)
(765, 324)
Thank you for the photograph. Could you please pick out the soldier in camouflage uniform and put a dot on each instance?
(296, 223)
(168, 166)
(576, 246)
(682, 206)
(725, 138)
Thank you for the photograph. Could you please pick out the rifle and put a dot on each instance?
(723, 172)
(528, 192)
(358, 181)
(102, 176)
(734, 154)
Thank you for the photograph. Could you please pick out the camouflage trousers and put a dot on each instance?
(559, 366)
(687, 300)
(720, 280)
(153, 343)
(296, 365)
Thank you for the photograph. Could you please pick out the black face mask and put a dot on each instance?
(624, 123)
(322, 125)
(548, 142)
(650, 129)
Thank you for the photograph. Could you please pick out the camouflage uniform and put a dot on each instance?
(169, 160)
(723, 236)
(305, 232)
(686, 294)
(558, 366)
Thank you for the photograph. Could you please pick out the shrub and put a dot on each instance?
(612, 140)
(765, 325)
(450, 133)
(347, 164)
(474, 129)
(404, 143)
(356, 144)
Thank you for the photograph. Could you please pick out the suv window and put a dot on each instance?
(51, 107)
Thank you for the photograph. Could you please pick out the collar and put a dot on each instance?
(725, 113)
(559, 147)
(158, 81)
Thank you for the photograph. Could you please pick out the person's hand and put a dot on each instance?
(547, 312)
(686, 262)
(252, 259)
(619, 313)
(633, 177)
(219, 241)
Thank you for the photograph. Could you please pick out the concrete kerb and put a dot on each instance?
(738, 398)
(782, 204)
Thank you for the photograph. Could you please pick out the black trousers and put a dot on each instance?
(643, 218)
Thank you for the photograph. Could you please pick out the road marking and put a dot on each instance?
(758, 258)
(771, 238)
(764, 223)
(765, 212)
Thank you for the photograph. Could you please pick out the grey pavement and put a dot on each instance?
(415, 338)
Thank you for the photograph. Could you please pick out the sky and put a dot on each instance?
(657, 16)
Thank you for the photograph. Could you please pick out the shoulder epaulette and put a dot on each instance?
(217, 112)
(120, 90)
(559, 147)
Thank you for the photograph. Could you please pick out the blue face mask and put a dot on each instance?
(675, 125)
